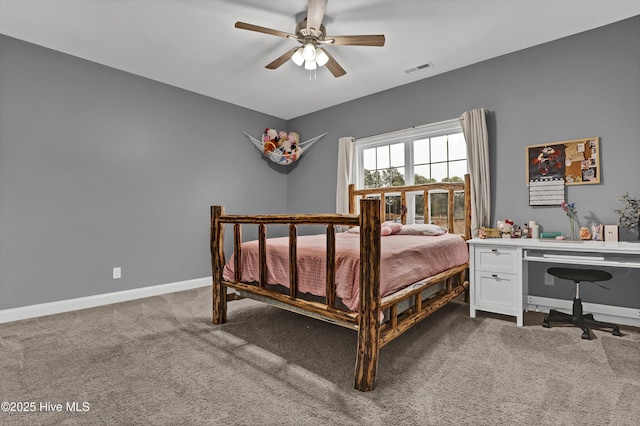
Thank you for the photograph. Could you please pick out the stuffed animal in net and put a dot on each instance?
(269, 141)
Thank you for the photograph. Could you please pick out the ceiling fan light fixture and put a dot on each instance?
(309, 52)
(321, 57)
(297, 57)
(311, 33)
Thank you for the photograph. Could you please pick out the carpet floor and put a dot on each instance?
(160, 361)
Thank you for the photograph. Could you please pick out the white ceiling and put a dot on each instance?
(192, 44)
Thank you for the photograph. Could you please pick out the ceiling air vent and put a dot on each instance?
(419, 67)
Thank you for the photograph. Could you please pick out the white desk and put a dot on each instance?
(499, 269)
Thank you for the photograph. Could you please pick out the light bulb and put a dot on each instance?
(309, 52)
(310, 65)
(321, 57)
(297, 57)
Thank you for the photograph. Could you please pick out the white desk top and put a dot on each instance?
(620, 247)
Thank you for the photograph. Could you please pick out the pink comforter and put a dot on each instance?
(405, 260)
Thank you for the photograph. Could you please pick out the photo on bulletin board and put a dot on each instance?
(576, 162)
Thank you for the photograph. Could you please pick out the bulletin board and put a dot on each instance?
(575, 162)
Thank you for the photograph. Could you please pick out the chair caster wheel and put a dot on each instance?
(585, 335)
(616, 333)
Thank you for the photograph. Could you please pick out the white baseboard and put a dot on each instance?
(50, 308)
(607, 313)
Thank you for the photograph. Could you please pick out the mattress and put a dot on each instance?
(405, 259)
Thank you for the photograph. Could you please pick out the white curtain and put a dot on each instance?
(474, 127)
(346, 150)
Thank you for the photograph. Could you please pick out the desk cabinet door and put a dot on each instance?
(495, 292)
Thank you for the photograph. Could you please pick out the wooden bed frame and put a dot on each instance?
(372, 335)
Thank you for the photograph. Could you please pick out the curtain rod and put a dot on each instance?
(410, 128)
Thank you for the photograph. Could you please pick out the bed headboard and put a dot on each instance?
(448, 188)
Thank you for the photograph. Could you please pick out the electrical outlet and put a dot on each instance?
(117, 272)
(548, 279)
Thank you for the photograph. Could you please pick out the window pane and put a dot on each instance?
(392, 208)
(421, 151)
(457, 147)
(383, 157)
(458, 168)
(393, 177)
(439, 171)
(439, 149)
(372, 179)
(369, 158)
(397, 155)
(419, 208)
(422, 174)
(438, 209)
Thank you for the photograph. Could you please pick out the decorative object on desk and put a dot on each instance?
(585, 234)
(553, 234)
(576, 162)
(485, 232)
(596, 232)
(570, 210)
(281, 147)
(611, 232)
(630, 213)
(534, 229)
(482, 233)
(517, 232)
(505, 227)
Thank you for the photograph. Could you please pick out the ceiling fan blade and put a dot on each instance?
(356, 40)
(315, 13)
(333, 66)
(259, 29)
(282, 59)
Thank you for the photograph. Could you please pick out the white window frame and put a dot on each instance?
(406, 136)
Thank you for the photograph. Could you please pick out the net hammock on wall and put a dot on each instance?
(283, 148)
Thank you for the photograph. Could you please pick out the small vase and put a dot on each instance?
(572, 222)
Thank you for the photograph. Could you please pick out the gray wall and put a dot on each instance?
(581, 86)
(100, 168)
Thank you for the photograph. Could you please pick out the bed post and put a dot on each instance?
(467, 229)
(352, 198)
(217, 263)
(368, 321)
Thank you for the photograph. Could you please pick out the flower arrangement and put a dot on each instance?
(572, 212)
(630, 213)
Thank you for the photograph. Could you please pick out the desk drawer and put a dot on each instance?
(496, 293)
(496, 259)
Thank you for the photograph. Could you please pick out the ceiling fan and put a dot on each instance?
(310, 33)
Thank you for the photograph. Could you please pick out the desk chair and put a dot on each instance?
(577, 318)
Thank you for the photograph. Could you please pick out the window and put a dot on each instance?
(425, 154)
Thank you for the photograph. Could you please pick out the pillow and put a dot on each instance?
(422, 229)
(395, 226)
(387, 228)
